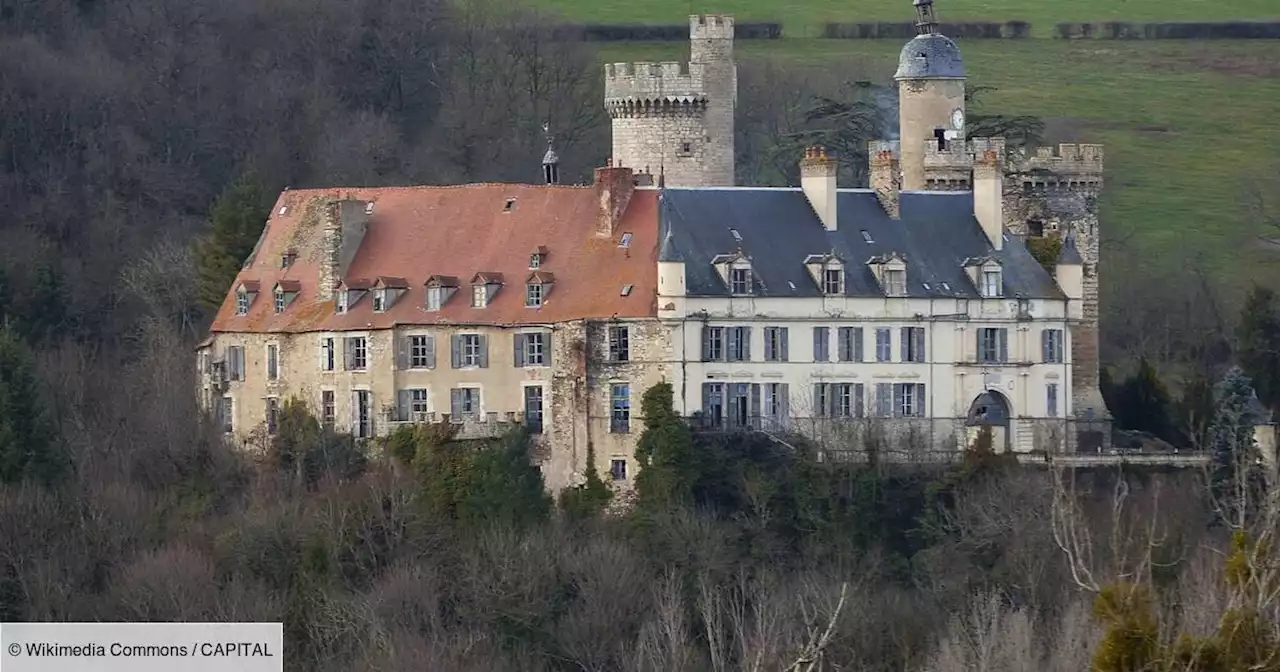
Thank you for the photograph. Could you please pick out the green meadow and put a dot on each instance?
(1186, 124)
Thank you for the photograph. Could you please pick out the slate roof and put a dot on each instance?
(779, 229)
(451, 233)
(930, 57)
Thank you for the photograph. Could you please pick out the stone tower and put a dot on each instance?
(677, 118)
(930, 96)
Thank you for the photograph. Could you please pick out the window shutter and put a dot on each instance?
(484, 351)
(898, 389)
(920, 400)
(348, 353)
(754, 411)
(819, 340)
(320, 356)
(706, 395)
(402, 352)
(1046, 348)
(786, 346)
(979, 348)
(431, 352)
(884, 399)
(833, 400)
(546, 348)
(920, 354)
(455, 343)
(859, 348)
(519, 342)
(745, 335)
(706, 343)
(859, 403)
(240, 362)
(1004, 344)
(355, 412)
(906, 338)
(455, 404)
(403, 404)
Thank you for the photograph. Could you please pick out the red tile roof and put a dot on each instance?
(416, 234)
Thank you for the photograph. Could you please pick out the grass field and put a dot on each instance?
(802, 18)
(1186, 125)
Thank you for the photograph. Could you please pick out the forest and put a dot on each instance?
(141, 144)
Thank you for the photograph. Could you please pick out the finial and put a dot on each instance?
(550, 160)
(926, 21)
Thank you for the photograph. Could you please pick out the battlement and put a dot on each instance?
(653, 81)
(711, 26)
(1068, 159)
(955, 157)
(884, 150)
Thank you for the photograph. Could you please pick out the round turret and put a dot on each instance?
(930, 56)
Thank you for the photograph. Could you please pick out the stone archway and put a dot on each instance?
(990, 409)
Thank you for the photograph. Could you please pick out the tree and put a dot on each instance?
(1259, 344)
(1195, 410)
(28, 447)
(1017, 130)
(235, 224)
(589, 498)
(844, 126)
(1235, 463)
(668, 463)
(45, 306)
(1142, 402)
(504, 487)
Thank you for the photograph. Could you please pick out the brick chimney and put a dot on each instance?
(614, 186)
(886, 177)
(818, 182)
(988, 194)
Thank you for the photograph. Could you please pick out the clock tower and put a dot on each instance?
(931, 111)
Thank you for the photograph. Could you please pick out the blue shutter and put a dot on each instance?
(859, 402)
(546, 348)
(484, 351)
(786, 347)
(706, 343)
(745, 335)
(1004, 345)
(518, 343)
(455, 404)
(784, 404)
(455, 343)
(920, 400)
(431, 351)
(404, 402)
(754, 410)
(897, 399)
(858, 349)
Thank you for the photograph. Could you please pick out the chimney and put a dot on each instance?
(886, 178)
(818, 181)
(988, 194)
(614, 186)
(344, 223)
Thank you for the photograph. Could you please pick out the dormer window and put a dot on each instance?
(350, 292)
(536, 288)
(827, 271)
(735, 272)
(287, 259)
(483, 288)
(285, 292)
(992, 284)
(245, 294)
(439, 289)
(379, 300)
(832, 279)
(538, 256)
(386, 290)
(891, 271)
(740, 280)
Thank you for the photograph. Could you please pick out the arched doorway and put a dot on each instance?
(990, 409)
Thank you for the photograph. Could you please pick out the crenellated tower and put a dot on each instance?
(677, 118)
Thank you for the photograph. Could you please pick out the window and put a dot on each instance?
(884, 344)
(531, 349)
(618, 469)
(479, 296)
(993, 346)
(744, 402)
(1051, 345)
(777, 405)
(379, 300)
(713, 403)
(992, 287)
(533, 295)
(713, 344)
(832, 279)
(535, 260)
(464, 403)
(821, 344)
(412, 406)
(620, 409)
(686, 148)
(895, 283)
(341, 305)
(242, 303)
(533, 408)
(913, 344)
(273, 415)
(422, 352)
(1051, 399)
(739, 344)
(470, 350)
(327, 355)
(884, 400)
(1035, 227)
(356, 353)
(225, 414)
(821, 400)
(740, 281)
(435, 297)
(235, 362)
(850, 344)
(847, 398)
(279, 301)
(273, 361)
(328, 409)
(775, 344)
(362, 414)
(908, 400)
(619, 344)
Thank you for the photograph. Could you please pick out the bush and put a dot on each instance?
(1124, 30)
(905, 30)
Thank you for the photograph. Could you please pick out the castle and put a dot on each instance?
(910, 313)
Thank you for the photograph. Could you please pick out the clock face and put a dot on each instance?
(957, 119)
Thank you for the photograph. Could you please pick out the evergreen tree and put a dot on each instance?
(27, 446)
(236, 223)
(44, 311)
(1143, 403)
(6, 299)
(1234, 461)
(1195, 411)
(504, 487)
(668, 461)
(1259, 343)
(589, 498)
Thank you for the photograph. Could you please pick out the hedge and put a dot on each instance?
(1124, 30)
(905, 30)
(657, 32)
